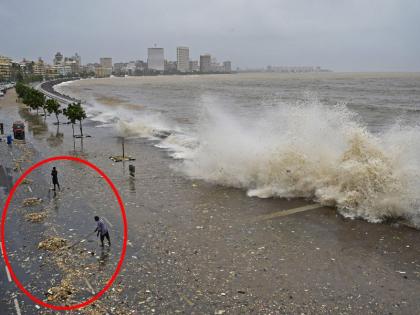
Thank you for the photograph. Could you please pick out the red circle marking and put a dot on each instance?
(3, 244)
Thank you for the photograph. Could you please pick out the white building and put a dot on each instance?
(63, 69)
(227, 66)
(155, 59)
(205, 63)
(183, 59)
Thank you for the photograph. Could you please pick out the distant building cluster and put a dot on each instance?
(18, 70)
(294, 69)
(72, 66)
(157, 64)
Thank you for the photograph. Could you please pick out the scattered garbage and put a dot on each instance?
(36, 217)
(61, 292)
(26, 181)
(120, 158)
(52, 243)
(31, 201)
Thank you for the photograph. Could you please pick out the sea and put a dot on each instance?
(347, 140)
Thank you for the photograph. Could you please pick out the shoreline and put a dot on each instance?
(47, 88)
(405, 221)
(201, 248)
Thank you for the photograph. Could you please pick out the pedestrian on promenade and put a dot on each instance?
(102, 230)
(54, 175)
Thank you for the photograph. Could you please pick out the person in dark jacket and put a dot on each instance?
(102, 230)
(54, 175)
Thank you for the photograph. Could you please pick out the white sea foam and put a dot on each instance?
(147, 125)
(314, 151)
(305, 149)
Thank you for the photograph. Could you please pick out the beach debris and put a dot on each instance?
(61, 292)
(36, 217)
(31, 201)
(26, 181)
(52, 243)
(120, 158)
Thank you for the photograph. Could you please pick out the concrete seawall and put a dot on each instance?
(47, 88)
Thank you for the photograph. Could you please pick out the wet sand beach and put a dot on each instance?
(201, 248)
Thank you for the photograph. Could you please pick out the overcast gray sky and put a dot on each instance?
(348, 35)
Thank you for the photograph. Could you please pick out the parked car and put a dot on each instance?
(19, 130)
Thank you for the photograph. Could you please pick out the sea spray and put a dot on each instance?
(308, 149)
(314, 151)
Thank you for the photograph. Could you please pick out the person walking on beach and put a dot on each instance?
(102, 230)
(54, 175)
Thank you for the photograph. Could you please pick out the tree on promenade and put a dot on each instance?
(38, 101)
(21, 89)
(53, 107)
(69, 113)
(31, 97)
(75, 112)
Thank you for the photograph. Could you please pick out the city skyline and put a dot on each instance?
(344, 36)
(72, 66)
(51, 58)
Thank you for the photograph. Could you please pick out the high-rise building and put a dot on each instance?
(106, 65)
(227, 65)
(5, 68)
(155, 59)
(78, 59)
(58, 58)
(205, 63)
(183, 59)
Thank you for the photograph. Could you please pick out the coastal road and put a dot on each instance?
(9, 303)
(9, 300)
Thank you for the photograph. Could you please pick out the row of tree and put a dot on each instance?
(36, 100)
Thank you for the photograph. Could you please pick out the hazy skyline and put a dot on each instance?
(355, 35)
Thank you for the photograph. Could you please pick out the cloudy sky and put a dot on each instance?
(348, 35)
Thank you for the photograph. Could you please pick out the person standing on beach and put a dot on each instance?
(102, 230)
(54, 175)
